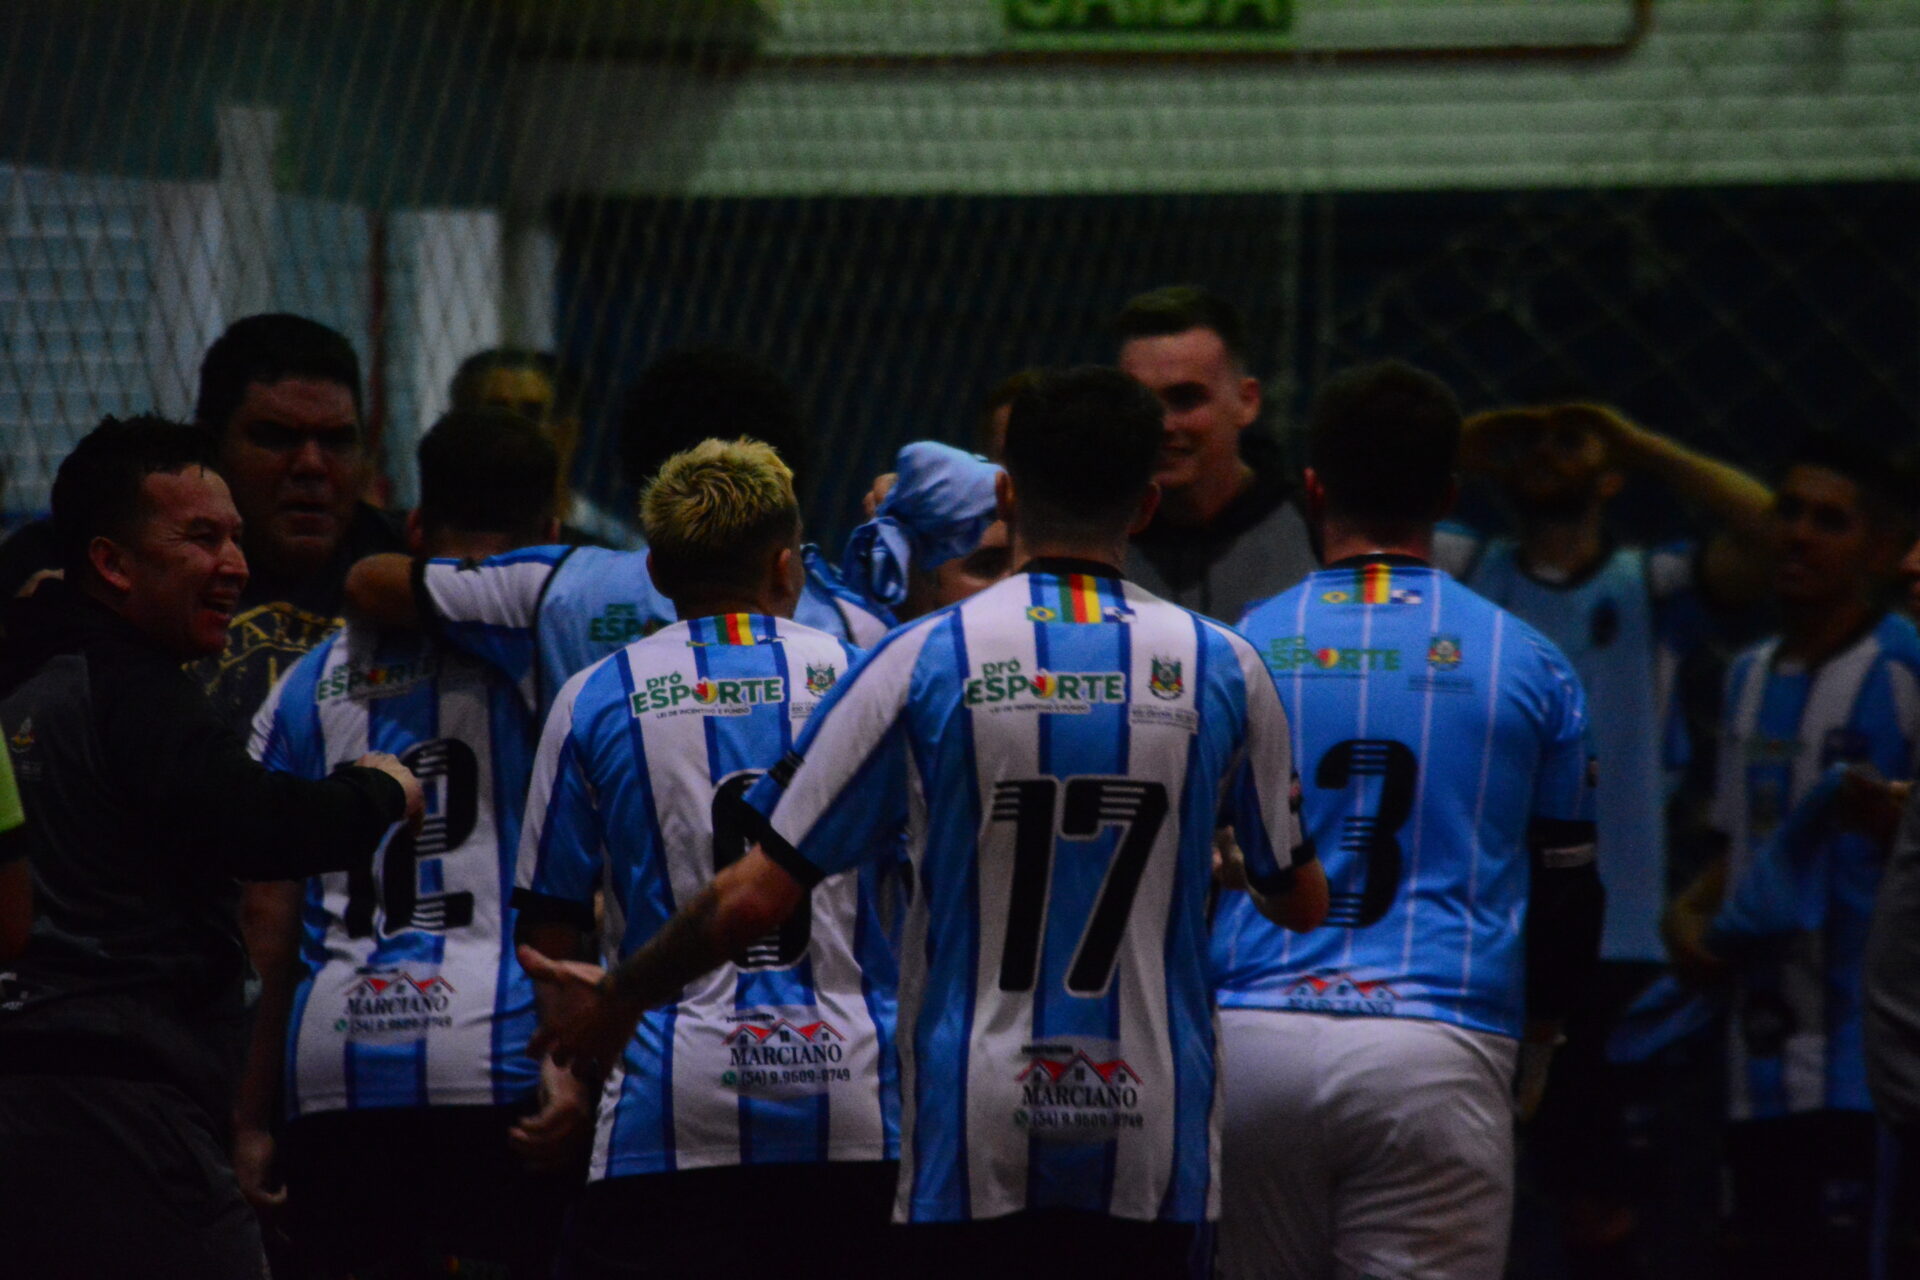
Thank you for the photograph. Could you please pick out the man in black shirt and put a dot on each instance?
(122, 1021)
(1227, 534)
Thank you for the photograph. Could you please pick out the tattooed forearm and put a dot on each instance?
(687, 946)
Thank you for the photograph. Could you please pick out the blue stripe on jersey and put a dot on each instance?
(515, 1015)
(1076, 1175)
(951, 887)
(650, 1052)
(1186, 959)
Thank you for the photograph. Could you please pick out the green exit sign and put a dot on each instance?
(1149, 24)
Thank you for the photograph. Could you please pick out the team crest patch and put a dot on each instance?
(1040, 613)
(1165, 681)
(821, 678)
(1443, 653)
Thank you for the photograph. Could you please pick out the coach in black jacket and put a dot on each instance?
(122, 1022)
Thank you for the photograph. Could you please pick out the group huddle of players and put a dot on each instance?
(966, 905)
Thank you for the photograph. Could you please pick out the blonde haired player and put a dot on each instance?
(768, 1082)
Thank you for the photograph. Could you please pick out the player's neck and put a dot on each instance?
(1342, 541)
(1564, 548)
(719, 603)
(1812, 632)
(457, 544)
(1098, 550)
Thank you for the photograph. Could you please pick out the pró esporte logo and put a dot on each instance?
(674, 694)
(1008, 686)
(1069, 1094)
(375, 680)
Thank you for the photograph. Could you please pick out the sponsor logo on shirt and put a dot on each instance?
(674, 694)
(1165, 682)
(1288, 654)
(771, 1054)
(620, 624)
(1077, 1093)
(393, 1002)
(1443, 653)
(1341, 993)
(1007, 686)
(377, 680)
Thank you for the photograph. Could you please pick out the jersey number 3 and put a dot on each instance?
(1092, 805)
(1374, 837)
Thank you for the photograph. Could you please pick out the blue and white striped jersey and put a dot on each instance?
(1440, 739)
(1057, 746)
(542, 613)
(413, 996)
(1797, 1031)
(1624, 627)
(786, 1054)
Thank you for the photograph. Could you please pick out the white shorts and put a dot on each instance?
(1363, 1147)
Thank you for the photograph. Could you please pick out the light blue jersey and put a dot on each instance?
(1056, 747)
(784, 1055)
(1625, 627)
(413, 996)
(540, 614)
(1441, 740)
(1797, 1031)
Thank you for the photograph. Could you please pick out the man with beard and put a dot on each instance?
(1625, 616)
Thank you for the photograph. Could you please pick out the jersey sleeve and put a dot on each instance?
(1264, 805)
(836, 800)
(561, 849)
(1562, 826)
(286, 734)
(489, 608)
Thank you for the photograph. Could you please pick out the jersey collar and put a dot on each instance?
(1380, 557)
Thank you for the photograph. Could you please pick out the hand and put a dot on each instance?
(882, 486)
(1694, 963)
(1229, 864)
(1625, 439)
(582, 1023)
(253, 1167)
(391, 766)
(1530, 1073)
(555, 1138)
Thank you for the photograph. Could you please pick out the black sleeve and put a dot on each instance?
(1564, 912)
(209, 798)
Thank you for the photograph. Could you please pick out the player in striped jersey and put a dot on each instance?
(1840, 683)
(770, 1082)
(1056, 749)
(1442, 746)
(406, 1071)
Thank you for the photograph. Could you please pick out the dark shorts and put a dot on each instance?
(1048, 1244)
(1803, 1192)
(102, 1177)
(793, 1221)
(408, 1187)
(1597, 1126)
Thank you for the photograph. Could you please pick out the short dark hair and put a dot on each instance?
(1883, 477)
(1178, 308)
(470, 378)
(1081, 447)
(1382, 439)
(1000, 397)
(267, 349)
(487, 470)
(697, 393)
(96, 492)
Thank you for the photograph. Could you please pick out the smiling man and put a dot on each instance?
(1227, 534)
(122, 1020)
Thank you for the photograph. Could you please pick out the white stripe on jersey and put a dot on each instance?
(491, 594)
